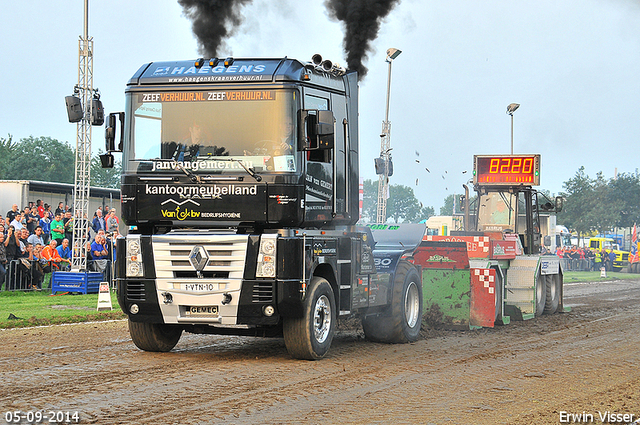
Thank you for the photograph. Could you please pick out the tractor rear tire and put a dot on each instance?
(401, 321)
(541, 294)
(552, 300)
(154, 337)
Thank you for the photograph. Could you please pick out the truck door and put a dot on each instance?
(320, 183)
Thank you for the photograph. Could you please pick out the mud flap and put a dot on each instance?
(483, 297)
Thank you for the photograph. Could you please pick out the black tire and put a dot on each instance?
(309, 337)
(552, 300)
(498, 292)
(402, 320)
(154, 336)
(541, 294)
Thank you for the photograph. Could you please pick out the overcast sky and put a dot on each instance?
(574, 67)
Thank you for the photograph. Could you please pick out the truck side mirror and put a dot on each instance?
(107, 160)
(317, 130)
(325, 129)
(110, 133)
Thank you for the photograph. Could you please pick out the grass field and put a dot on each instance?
(595, 276)
(37, 308)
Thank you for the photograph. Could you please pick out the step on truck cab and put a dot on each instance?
(240, 187)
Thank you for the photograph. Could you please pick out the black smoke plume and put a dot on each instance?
(362, 20)
(213, 22)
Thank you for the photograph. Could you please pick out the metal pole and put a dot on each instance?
(383, 182)
(511, 134)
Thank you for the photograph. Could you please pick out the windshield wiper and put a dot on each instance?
(194, 178)
(197, 179)
(249, 171)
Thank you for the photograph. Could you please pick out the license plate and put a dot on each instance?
(200, 287)
(202, 310)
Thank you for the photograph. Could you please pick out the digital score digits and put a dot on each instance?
(503, 170)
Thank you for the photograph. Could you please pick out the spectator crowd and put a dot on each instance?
(586, 259)
(36, 241)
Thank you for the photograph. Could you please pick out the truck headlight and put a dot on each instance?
(266, 266)
(134, 256)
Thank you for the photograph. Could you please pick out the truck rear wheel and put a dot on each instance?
(541, 294)
(402, 320)
(309, 337)
(154, 336)
(553, 293)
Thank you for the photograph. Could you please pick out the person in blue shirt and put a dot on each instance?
(65, 252)
(98, 222)
(45, 223)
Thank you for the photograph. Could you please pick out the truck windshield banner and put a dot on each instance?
(207, 96)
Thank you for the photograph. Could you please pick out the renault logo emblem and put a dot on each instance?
(199, 257)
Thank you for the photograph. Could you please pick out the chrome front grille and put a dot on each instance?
(225, 263)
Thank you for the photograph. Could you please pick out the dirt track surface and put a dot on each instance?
(585, 361)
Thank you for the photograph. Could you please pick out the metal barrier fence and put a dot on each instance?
(582, 265)
(29, 275)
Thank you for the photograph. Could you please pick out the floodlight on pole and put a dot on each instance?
(385, 147)
(510, 110)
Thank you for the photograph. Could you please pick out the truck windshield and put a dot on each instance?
(209, 131)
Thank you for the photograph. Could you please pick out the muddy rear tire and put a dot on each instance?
(309, 337)
(552, 300)
(541, 294)
(402, 320)
(154, 336)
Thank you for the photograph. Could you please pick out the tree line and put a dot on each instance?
(599, 204)
(49, 160)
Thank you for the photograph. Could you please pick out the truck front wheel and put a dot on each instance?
(309, 337)
(154, 336)
(402, 320)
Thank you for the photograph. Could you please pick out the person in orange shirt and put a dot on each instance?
(50, 253)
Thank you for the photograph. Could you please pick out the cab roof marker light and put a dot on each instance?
(228, 62)
(213, 62)
(199, 62)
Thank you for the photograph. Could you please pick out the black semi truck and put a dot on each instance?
(240, 187)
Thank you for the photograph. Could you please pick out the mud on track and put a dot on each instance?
(584, 361)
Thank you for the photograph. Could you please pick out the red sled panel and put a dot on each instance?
(483, 297)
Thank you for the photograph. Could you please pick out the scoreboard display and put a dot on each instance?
(506, 170)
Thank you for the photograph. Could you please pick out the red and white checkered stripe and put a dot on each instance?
(486, 276)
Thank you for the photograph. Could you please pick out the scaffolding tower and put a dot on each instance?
(82, 177)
